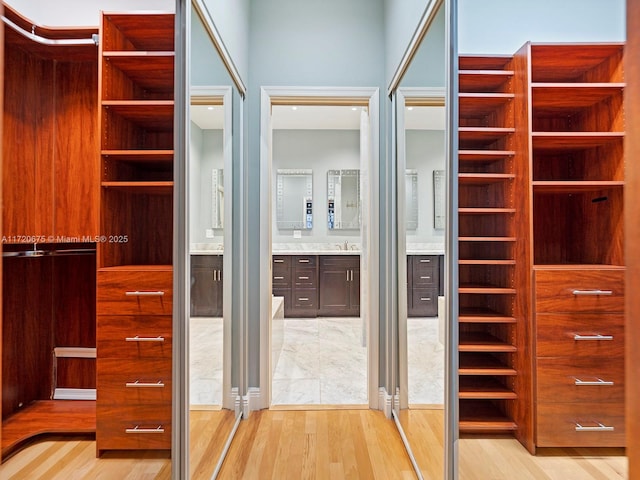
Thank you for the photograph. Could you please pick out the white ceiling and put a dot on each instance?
(208, 117)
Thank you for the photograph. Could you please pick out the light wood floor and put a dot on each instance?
(318, 445)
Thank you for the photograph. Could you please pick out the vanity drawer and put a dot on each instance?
(138, 427)
(590, 379)
(424, 302)
(581, 335)
(280, 277)
(305, 277)
(579, 291)
(425, 276)
(133, 337)
(133, 382)
(304, 261)
(134, 292)
(580, 425)
(281, 261)
(305, 299)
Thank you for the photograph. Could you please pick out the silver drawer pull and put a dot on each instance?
(592, 292)
(278, 278)
(144, 339)
(592, 337)
(137, 429)
(303, 278)
(137, 293)
(278, 260)
(424, 260)
(600, 428)
(425, 278)
(303, 260)
(425, 299)
(599, 381)
(304, 299)
(139, 384)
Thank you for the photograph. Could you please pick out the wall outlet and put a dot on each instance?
(297, 234)
(208, 233)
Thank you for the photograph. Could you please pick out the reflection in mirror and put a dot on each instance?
(213, 137)
(411, 199)
(420, 139)
(294, 199)
(343, 199)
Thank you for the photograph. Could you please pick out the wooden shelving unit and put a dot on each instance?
(134, 296)
(492, 327)
(577, 184)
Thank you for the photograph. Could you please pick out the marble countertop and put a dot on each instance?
(319, 248)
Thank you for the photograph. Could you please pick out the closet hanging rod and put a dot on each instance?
(49, 41)
(50, 253)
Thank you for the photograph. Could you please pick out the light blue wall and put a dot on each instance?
(503, 26)
(333, 43)
(427, 68)
(401, 21)
(231, 18)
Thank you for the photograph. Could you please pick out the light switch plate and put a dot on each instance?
(208, 233)
(297, 234)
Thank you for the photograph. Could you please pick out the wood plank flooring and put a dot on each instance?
(323, 444)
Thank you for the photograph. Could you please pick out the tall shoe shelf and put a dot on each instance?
(134, 291)
(489, 322)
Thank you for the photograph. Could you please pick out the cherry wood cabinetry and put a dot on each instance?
(206, 285)
(50, 219)
(50, 140)
(134, 293)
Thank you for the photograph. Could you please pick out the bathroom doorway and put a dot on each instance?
(320, 158)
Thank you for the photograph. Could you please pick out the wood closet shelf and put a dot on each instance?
(573, 140)
(484, 80)
(574, 186)
(484, 178)
(141, 187)
(487, 239)
(149, 71)
(485, 289)
(572, 95)
(484, 155)
(477, 416)
(483, 342)
(483, 315)
(482, 103)
(153, 114)
(475, 363)
(484, 387)
(483, 133)
(139, 155)
(484, 211)
(486, 262)
(47, 417)
(484, 62)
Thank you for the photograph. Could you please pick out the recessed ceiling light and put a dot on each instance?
(354, 108)
(209, 108)
(294, 108)
(409, 108)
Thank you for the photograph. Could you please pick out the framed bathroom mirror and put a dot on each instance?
(411, 205)
(217, 198)
(294, 199)
(343, 199)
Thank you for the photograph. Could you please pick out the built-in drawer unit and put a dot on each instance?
(423, 283)
(135, 337)
(137, 427)
(134, 292)
(579, 357)
(138, 382)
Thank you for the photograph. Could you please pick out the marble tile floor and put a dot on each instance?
(205, 361)
(322, 362)
(425, 362)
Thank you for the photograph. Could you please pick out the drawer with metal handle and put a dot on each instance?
(133, 292)
(133, 383)
(134, 337)
(133, 427)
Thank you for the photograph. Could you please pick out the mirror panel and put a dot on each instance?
(294, 199)
(343, 199)
(411, 199)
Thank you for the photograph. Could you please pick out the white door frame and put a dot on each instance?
(321, 95)
(404, 95)
(224, 95)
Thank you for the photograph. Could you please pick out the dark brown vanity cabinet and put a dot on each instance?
(423, 285)
(339, 285)
(206, 285)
